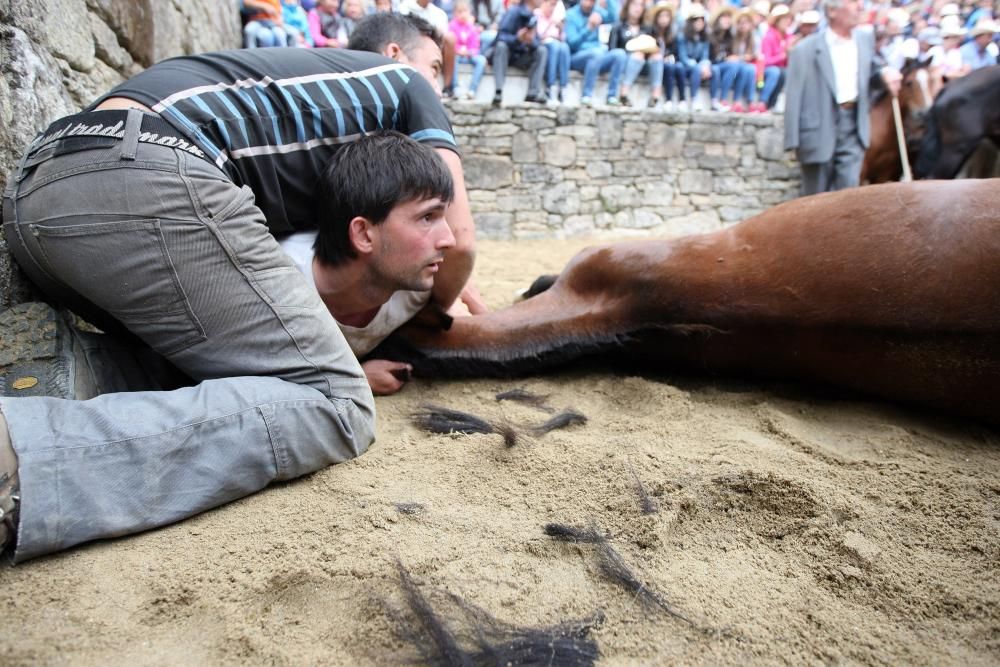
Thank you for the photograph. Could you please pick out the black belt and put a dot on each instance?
(98, 129)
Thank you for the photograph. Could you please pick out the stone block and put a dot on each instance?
(558, 150)
(534, 123)
(656, 195)
(498, 130)
(614, 198)
(664, 141)
(514, 201)
(599, 169)
(770, 143)
(487, 173)
(524, 147)
(579, 225)
(540, 173)
(609, 130)
(729, 185)
(494, 225)
(562, 198)
(695, 181)
(714, 162)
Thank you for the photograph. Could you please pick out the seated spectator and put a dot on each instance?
(693, 53)
(587, 53)
(296, 23)
(384, 7)
(980, 51)
(517, 45)
(952, 34)
(326, 24)
(774, 49)
(748, 57)
(466, 34)
(447, 6)
(893, 38)
(727, 67)
(660, 18)
(761, 10)
(640, 59)
(551, 16)
(265, 26)
(353, 11)
(808, 24)
(436, 16)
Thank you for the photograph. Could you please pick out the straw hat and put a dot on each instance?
(746, 12)
(951, 26)
(642, 44)
(809, 17)
(724, 9)
(930, 36)
(777, 12)
(899, 16)
(984, 27)
(950, 9)
(695, 11)
(654, 11)
(762, 7)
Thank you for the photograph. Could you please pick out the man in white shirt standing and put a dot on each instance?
(826, 98)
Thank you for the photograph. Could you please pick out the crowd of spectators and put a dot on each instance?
(737, 49)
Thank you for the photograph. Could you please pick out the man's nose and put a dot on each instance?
(446, 238)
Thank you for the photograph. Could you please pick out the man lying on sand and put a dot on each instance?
(156, 214)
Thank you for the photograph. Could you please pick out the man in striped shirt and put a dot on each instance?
(157, 213)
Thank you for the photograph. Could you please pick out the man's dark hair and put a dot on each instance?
(374, 32)
(369, 177)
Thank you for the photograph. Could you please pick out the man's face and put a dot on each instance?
(426, 59)
(411, 243)
(586, 6)
(847, 16)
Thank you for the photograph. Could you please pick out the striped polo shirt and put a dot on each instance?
(271, 118)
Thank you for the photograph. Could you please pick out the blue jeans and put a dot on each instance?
(478, 63)
(165, 246)
(557, 65)
(673, 76)
(262, 34)
(692, 76)
(723, 78)
(599, 60)
(636, 66)
(773, 83)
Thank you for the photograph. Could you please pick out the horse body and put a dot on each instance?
(966, 113)
(890, 290)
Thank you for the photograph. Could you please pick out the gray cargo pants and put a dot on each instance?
(162, 242)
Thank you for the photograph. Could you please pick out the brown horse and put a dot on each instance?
(916, 95)
(890, 290)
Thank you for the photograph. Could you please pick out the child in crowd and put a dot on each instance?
(353, 11)
(326, 24)
(660, 18)
(296, 23)
(629, 27)
(693, 53)
(265, 25)
(466, 34)
(726, 65)
(774, 49)
(551, 17)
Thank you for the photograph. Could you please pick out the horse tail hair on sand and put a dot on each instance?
(647, 504)
(527, 398)
(435, 419)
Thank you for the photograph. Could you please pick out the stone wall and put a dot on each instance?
(56, 56)
(569, 171)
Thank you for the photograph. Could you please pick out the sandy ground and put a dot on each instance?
(795, 526)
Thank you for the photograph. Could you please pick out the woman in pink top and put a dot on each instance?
(466, 34)
(774, 50)
(551, 19)
(326, 24)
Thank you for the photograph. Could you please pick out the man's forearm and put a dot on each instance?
(459, 260)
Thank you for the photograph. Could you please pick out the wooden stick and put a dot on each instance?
(901, 140)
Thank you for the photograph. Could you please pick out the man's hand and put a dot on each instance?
(386, 377)
(526, 35)
(893, 80)
(470, 302)
(594, 20)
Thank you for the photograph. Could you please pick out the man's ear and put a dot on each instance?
(392, 50)
(361, 233)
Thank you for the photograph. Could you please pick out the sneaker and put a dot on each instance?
(738, 107)
(535, 99)
(668, 105)
(758, 107)
(719, 106)
(448, 91)
(624, 100)
(652, 102)
(614, 102)
(497, 98)
(37, 355)
(586, 101)
(468, 95)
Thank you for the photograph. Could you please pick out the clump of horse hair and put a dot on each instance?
(570, 534)
(494, 642)
(648, 505)
(614, 567)
(562, 420)
(526, 397)
(435, 419)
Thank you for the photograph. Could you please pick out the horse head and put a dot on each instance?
(916, 94)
